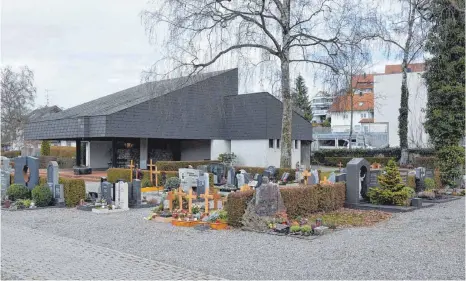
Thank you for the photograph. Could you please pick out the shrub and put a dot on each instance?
(426, 194)
(411, 181)
(145, 182)
(426, 161)
(334, 161)
(295, 229)
(23, 202)
(175, 165)
(74, 189)
(18, 191)
(45, 148)
(63, 151)
(42, 195)
(306, 229)
(11, 154)
(236, 206)
(172, 183)
(429, 183)
(451, 163)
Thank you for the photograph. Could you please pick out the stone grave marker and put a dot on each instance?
(240, 180)
(284, 177)
(52, 178)
(340, 177)
(420, 176)
(404, 175)
(200, 187)
(357, 179)
(121, 196)
(429, 173)
(231, 176)
(27, 171)
(106, 190)
(135, 195)
(5, 175)
(332, 178)
(268, 199)
(374, 177)
(188, 178)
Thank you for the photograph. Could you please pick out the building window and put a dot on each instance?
(296, 144)
(345, 116)
(363, 115)
(270, 143)
(278, 143)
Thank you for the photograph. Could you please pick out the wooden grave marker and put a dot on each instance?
(181, 194)
(306, 174)
(190, 198)
(151, 172)
(131, 166)
(216, 197)
(171, 196)
(206, 197)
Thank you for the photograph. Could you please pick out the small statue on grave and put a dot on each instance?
(361, 180)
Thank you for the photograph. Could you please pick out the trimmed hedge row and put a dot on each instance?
(425, 161)
(299, 201)
(386, 152)
(74, 189)
(11, 154)
(334, 161)
(175, 165)
(259, 170)
(63, 151)
(114, 174)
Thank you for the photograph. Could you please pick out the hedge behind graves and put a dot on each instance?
(74, 189)
(175, 165)
(334, 161)
(259, 170)
(299, 201)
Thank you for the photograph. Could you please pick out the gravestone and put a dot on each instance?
(313, 178)
(231, 175)
(59, 195)
(52, 175)
(188, 178)
(374, 178)
(332, 177)
(106, 191)
(5, 175)
(420, 176)
(340, 177)
(240, 180)
(268, 199)
(202, 183)
(121, 196)
(135, 195)
(284, 177)
(247, 177)
(27, 171)
(429, 173)
(357, 179)
(404, 176)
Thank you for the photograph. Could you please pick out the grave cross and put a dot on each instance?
(131, 166)
(339, 166)
(305, 175)
(190, 198)
(217, 197)
(151, 172)
(181, 194)
(206, 197)
(171, 196)
(324, 181)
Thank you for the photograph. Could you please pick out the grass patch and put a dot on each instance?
(343, 217)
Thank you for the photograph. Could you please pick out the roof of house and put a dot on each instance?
(205, 106)
(363, 102)
(43, 112)
(367, 120)
(365, 81)
(396, 68)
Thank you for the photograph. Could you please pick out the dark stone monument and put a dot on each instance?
(135, 193)
(429, 173)
(416, 202)
(268, 199)
(340, 177)
(420, 176)
(374, 178)
(200, 189)
(357, 179)
(27, 171)
(106, 190)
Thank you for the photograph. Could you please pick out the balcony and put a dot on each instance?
(319, 112)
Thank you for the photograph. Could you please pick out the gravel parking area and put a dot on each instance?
(424, 244)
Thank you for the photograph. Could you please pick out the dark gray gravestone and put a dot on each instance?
(416, 202)
(27, 171)
(357, 179)
(374, 178)
(200, 187)
(404, 175)
(106, 191)
(5, 175)
(420, 176)
(340, 177)
(268, 199)
(52, 175)
(135, 193)
(429, 173)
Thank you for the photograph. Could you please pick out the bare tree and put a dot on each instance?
(202, 33)
(406, 31)
(18, 93)
(352, 65)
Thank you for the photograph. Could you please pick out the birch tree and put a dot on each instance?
(201, 34)
(405, 32)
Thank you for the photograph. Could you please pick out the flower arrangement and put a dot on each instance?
(179, 214)
(196, 209)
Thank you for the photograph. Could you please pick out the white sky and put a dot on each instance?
(82, 50)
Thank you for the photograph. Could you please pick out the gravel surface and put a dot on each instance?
(424, 244)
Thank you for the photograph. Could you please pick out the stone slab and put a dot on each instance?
(321, 230)
(385, 208)
(438, 201)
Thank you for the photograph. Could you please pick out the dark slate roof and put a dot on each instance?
(130, 97)
(203, 107)
(43, 112)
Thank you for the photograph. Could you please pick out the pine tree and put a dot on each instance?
(445, 117)
(300, 98)
(391, 179)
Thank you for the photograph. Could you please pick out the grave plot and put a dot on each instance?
(26, 193)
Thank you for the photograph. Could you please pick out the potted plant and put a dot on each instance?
(295, 230)
(306, 230)
(218, 220)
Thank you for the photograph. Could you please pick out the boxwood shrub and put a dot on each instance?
(74, 189)
(236, 206)
(175, 165)
(18, 191)
(42, 196)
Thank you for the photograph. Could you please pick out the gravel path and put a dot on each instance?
(425, 244)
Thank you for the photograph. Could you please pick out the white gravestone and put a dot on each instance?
(240, 179)
(315, 173)
(361, 179)
(188, 178)
(121, 197)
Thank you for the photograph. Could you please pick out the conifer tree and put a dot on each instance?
(300, 98)
(391, 179)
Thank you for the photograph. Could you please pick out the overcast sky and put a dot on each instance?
(82, 50)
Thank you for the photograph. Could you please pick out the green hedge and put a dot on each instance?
(334, 161)
(175, 165)
(259, 170)
(299, 201)
(113, 174)
(320, 156)
(426, 161)
(11, 154)
(74, 189)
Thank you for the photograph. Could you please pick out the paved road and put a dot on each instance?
(72, 244)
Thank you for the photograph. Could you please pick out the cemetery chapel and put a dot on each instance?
(182, 119)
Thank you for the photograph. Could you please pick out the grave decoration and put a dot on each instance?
(121, 196)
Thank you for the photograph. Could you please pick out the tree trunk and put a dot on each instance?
(285, 151)
(351, 121)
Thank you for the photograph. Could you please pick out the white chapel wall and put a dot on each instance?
(218, 147)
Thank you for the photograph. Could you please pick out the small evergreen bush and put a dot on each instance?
(172, 183)
(18, 191)
(42, 196)
(429, 183)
